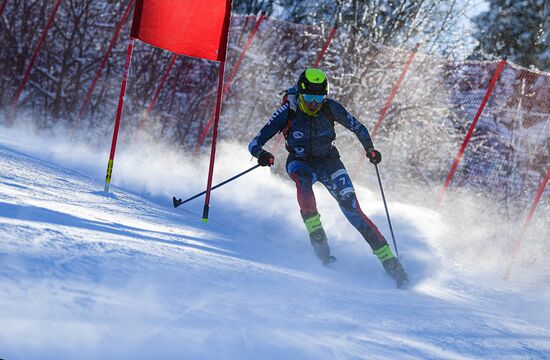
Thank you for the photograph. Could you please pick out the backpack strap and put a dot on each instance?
(328, 111)
(285, 97)
(291, 111)
(286, 129)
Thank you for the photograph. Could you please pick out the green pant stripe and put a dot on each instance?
(313, 223)
(384, 253)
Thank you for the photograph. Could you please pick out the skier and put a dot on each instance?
(307, 119)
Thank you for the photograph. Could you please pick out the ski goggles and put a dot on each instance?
(311, 98)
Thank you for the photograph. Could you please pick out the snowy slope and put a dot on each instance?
(89, 275)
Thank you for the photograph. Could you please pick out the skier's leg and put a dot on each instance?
(304, 177)
(336, 179)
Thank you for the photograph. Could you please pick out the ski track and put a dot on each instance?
(89, 275)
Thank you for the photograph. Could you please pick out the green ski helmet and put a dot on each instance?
(312, 91)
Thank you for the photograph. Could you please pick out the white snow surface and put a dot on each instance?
(124, 275)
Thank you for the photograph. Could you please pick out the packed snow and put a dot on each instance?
(87, 274)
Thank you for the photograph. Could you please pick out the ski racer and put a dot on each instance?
(307, 121)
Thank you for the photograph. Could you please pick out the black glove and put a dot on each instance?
(374, 156)
(266, 159)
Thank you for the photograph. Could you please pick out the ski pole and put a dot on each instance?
(386, 207)
(178, 202)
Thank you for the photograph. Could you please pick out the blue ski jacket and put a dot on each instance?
(309, 138)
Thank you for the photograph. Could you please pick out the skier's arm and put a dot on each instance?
(275, 124)
(343, 117)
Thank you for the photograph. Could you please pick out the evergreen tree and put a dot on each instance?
(518, 30)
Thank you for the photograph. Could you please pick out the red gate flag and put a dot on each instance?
(188, 27)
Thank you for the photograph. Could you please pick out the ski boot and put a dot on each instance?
(393, 266)
(320, 246)
(319, 239)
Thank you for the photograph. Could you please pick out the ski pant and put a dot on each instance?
(333, 175)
